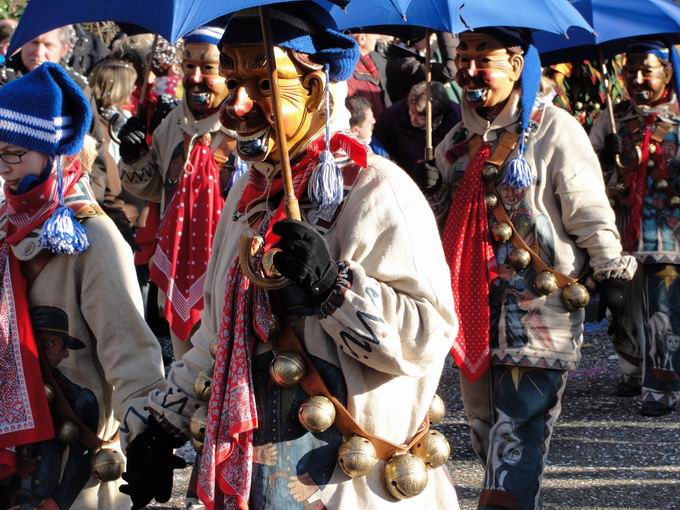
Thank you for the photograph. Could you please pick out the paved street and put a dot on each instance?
(604, 455)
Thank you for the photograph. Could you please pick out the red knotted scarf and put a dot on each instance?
(24, 412)
(469, 255)
(185, 240)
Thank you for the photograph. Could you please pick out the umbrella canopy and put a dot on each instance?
(460, 15)
(615, 23)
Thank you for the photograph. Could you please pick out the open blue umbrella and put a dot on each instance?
(615, 23)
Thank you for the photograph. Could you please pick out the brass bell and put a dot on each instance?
(578, 105)
(597, 107)
(287, 369)
(107, 465)
(213, 349)
(520, 259)
(317, 414)
(437, 409)
(491, 200)
(652, 148)
(197, 423)
(612, 203)
(405, 476)
(490, 173)
(433, 449)
(545, 283)
(651, 163)
(620, 188)
(49, 392)
(357, 456)
(575, 296)
(198, 445)
(661, 185)
(203, 384)
(68, 433)
(674, 201)
(501, 232)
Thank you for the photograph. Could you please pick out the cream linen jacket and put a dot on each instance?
(388, 235)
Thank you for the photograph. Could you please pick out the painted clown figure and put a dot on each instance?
(307, 396)
(523, 210)
(188, 168)
(642, 170)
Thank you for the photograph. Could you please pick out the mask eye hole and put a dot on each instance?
(264, 85)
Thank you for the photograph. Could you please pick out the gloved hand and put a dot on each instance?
(133, 140)
(304, 259)
(612, 147)
(150, 465)
(427, 176)
(613, 298)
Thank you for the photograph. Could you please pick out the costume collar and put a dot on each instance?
(196, 127)
(667, 111)
(488, 130)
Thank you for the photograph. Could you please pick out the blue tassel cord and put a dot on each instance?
(326, 183)
(62, 233)
(517, 173)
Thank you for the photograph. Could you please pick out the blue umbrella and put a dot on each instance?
(615, 23)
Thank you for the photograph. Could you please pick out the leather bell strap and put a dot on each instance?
(506, 143)
(539, 264)
(659, 133)
(313, 385)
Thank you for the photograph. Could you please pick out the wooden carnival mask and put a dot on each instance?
(487, 71)
(646, 78)
(248, 107)
(204, 88)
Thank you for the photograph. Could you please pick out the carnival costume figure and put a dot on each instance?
(188, 170)
(78, 360)
(642, 171)
(318, 391)
(521, 202)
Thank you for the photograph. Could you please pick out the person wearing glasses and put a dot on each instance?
(76, 356)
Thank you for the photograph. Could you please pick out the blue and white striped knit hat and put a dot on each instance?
(45, 110)
(205, 34)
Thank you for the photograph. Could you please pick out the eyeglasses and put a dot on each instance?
(12, 158)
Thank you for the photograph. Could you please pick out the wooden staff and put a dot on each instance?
(292, 207)
(429, 150)
(608, 98)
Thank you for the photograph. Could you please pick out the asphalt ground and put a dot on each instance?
(603, 455)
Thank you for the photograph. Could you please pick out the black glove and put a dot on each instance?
(427, 176)
(132, 140)
(612, 147)
(304, 259)
(150, 465)
(613, 298)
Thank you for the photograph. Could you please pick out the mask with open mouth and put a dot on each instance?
(204, 87)
(646, 78)
(248, 110)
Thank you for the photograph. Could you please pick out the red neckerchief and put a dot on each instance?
(638, 189)
(24, 213)
(226, 462)
(185, 240)
(469, 255)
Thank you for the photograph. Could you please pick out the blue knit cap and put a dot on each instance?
(45, 110)
(205, 34)
(304, 27)
(517, 173)
(665, 51)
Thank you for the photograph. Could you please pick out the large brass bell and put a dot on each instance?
(661, 185)
(68, 432)
(520, 259)
(491, 199)
(490, 173)
(433, 448)
(651, 163)
(107, 465)
(357, 456)
(545, 283)
(575, 296)
(212, 348)
(198, 445)
(203, 384)
(501, 232)
(437, 409)
(49, 392)
(317, 414)
(620, 188)
(652, 148)
(197, 423)
(405, 476)
(287, 369)
(674, 201)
